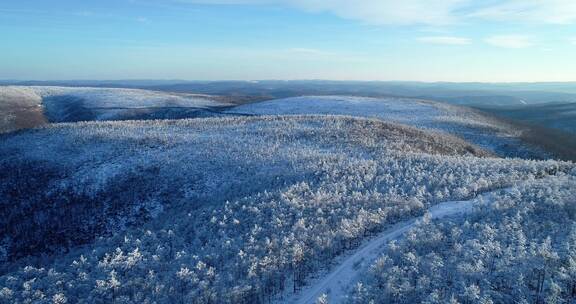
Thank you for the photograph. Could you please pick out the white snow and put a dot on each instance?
(415, 112)
(127, 98)
(412, 111)
(346, 274)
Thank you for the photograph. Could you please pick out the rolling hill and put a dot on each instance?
(29, 106)
(24, 107)
(490, 133)
(561, 116)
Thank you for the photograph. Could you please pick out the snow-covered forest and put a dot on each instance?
(219, 210)
(519, 247)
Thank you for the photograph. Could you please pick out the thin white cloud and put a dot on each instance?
(510, 41)
(231, 2)
(388, 12)
(427, 12)
(531, 11)
(381, 12)
(448, 40)
(573, 41)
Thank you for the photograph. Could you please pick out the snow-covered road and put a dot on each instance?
(346, 274)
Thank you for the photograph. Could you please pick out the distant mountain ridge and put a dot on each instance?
(482, 92)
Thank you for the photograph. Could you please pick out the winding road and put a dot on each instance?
(346, 274)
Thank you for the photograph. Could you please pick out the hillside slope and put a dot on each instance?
(488, 132)
(561, 116)
(20, 109)
(227, 210)
(95, 164)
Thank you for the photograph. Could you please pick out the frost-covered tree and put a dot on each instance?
(517, 247)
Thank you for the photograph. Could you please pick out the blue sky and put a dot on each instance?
(442, 40)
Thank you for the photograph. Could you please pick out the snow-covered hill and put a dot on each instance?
(116, 104)
(478, 128)
(218, 210)
(67, 104)
(24, 107)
